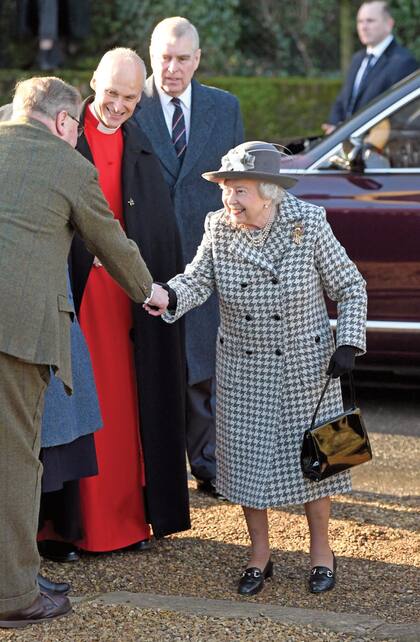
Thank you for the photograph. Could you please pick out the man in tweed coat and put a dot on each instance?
(270, 257)
(47, 191)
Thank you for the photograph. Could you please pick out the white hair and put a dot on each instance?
(271, 191)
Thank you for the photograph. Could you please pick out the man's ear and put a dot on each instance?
(59, 123)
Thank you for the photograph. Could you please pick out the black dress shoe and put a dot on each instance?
(57, 551)
(52, 587)
(252, 579)
(46, 607)
(142, 545)
(208, 486)
(322, 578)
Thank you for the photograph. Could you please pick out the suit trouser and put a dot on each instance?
(200, 429)
(22, 388)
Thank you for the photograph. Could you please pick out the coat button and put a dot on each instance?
(276, 317)
(131, 202)
(317, 339)
(221, 340)
(278, 352)
(275, 280)
(248, 317)
(248, 351)
(244, 285)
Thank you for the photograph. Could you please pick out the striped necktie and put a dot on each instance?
(179, 136)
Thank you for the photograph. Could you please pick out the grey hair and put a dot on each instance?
(271, 191)
(123, 53)
(46, 95)
(177, 26)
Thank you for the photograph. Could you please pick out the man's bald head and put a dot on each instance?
(118, 82)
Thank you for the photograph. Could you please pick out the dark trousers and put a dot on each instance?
(201, 431)
(22, 388)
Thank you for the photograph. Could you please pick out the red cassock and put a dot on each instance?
(112, 503)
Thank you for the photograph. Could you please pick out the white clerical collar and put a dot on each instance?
(185, 97)
(100, 126)
(379, 49)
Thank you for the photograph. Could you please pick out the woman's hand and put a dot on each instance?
(342, 361)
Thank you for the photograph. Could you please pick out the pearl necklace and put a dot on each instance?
(258, 239)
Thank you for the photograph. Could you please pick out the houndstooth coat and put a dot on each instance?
(273, 346)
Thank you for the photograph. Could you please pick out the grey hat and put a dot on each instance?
(253, 160)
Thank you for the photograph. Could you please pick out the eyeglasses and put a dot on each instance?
(80, 127)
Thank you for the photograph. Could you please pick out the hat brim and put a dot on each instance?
(277, 179)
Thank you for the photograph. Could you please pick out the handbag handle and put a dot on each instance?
(352, 394)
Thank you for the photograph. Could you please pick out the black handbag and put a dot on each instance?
(336, 444)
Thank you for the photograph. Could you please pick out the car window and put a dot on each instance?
(393, 142)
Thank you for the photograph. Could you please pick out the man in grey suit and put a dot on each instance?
(48, 190)
(190, 127)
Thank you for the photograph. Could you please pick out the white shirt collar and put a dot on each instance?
(100, 126)
(185, 97)
(379, 49)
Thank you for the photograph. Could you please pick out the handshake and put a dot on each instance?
(158, 302)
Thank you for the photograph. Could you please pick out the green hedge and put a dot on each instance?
(274, 109)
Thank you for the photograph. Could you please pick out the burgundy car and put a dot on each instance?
(367, 176)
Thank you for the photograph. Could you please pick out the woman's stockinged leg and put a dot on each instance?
(257, 523)
(318, 515)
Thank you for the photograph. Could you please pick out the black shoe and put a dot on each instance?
(208, 486)
(58, 551)
(44, 608)
(52, 587)
(142, 545)
(322, 578)
(252, 579)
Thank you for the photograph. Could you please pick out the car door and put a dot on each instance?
(375, 213)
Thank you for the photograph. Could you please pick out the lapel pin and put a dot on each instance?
(297, 234)
(131, 202)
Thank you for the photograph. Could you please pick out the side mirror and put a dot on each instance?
(350, 157)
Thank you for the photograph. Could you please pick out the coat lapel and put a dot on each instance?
(152, 120)
(203, 120)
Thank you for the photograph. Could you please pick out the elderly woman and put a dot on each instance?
(270, 257)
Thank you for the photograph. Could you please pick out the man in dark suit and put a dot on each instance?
(373, 69)
(48, 190)
(190, 127)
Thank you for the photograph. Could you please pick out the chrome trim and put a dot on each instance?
(376, 172)
(383, 114)
(387, 326)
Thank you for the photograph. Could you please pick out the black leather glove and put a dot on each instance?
(342, 361)
(173, 299)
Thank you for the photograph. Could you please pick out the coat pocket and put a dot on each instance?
(64, 305)
(226, 363)
(313, 351)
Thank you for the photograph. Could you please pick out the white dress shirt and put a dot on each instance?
(168, 108)
(376, 52)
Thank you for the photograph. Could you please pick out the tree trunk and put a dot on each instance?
(346, 34)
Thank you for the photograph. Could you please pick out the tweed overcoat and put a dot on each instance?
(273, 346)
(216, 126)
(47, 191)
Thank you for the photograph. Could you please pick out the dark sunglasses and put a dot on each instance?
(80, 127)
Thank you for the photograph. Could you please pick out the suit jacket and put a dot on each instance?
(395, 63)
(159, 354)
(216, 126)
(48, 190)
(67, 418)
(274, 346)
